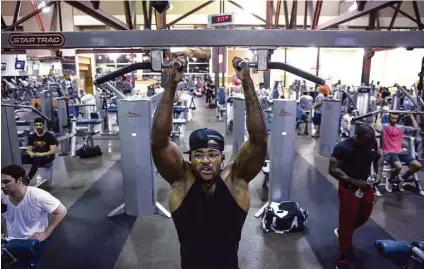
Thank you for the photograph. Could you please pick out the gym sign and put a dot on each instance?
(133, 114)
(46, 40)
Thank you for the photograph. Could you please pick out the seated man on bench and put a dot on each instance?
(392, 137)
(41, 148)
(25, 212)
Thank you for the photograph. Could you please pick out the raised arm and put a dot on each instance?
(251, 156)
(166, 155)
(414, 122)
(378, 125)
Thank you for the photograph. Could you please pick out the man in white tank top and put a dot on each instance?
(25, 209)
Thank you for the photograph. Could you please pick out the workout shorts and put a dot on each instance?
(317, 119)
(403, 157)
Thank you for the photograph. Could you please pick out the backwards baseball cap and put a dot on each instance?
(206, 138)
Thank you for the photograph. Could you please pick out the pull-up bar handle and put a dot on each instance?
(296, 71)
(122, 71)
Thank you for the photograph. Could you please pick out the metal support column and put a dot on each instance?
(330, 119)
(267, 79)
(17, 11)
(239, 123)
(223, 65)
(215, 65)
(138, 170)
(283, 136)
(366, 65)
(282, 147)
(10, 153)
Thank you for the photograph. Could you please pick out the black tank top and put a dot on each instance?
(209, 229)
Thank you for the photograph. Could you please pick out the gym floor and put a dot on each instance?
(91, 188)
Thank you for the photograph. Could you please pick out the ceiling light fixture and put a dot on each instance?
(43, 4)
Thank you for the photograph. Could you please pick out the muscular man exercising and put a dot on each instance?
(392, 135)
(350, 164)
(209, 201)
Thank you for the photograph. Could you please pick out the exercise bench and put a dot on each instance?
(221, 104)
(178, 110)
(177, 125)
(83, 128)
(408, 145)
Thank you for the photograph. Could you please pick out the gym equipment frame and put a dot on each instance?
(213, 38)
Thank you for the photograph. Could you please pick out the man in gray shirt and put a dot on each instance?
(324, 91)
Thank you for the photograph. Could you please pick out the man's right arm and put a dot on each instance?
(335, 171)
(166, 155)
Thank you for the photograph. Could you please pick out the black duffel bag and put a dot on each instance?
(89, 152)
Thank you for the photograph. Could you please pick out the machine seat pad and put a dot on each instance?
(23, 123)
(178, 121)
(179, 109)
(112, 109)
(89, 121)
(22, 248)
(230, 100)
(23, 133)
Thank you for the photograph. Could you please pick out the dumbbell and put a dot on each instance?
(244, 64)
(172, 64)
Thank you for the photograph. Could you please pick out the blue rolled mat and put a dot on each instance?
(387, 247)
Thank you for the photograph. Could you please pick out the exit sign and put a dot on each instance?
(221, 20)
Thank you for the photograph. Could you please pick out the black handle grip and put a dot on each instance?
(242, 65)
(174, 64)
(296, 71)
(122, 71)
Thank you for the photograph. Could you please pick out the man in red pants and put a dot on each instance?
(350, 164)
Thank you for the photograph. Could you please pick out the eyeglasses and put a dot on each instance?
(211, 155)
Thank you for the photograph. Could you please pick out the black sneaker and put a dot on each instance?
(342, 264)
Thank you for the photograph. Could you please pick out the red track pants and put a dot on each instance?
(354, 212)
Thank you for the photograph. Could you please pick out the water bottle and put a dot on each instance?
(38, 179)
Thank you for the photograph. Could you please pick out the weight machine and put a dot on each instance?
(212, 38)
(135, 119)
(281, 142)
(409, 146)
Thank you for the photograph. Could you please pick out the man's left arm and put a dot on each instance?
(251, 156)
(415, 125)
(56, 210)
(319, 100)
(56, 217)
